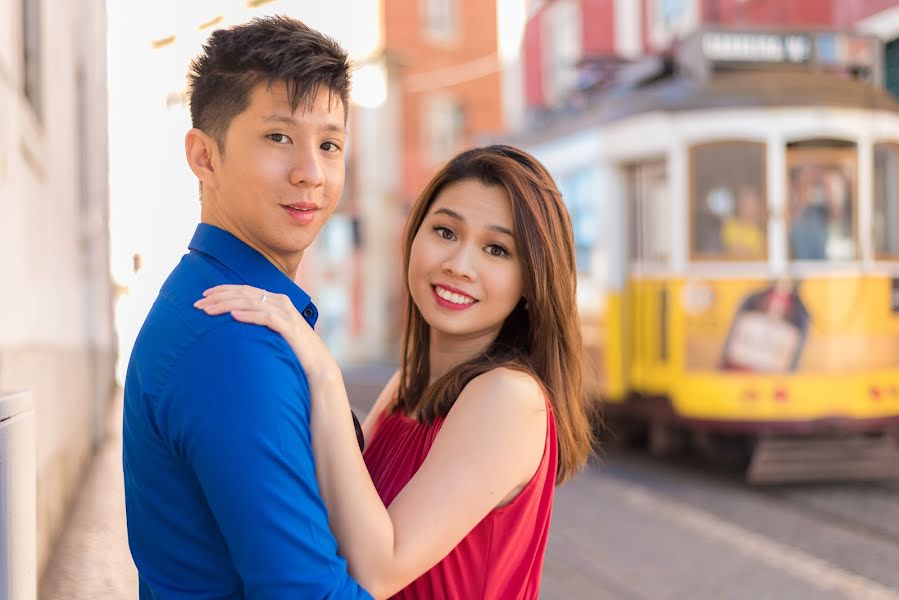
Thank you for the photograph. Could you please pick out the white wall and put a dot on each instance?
(56, 335)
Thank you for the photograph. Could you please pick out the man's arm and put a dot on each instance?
(239, 415)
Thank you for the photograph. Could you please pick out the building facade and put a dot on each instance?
(447, 74)
(56, 333)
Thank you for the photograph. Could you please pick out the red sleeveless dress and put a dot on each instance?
(502, 557)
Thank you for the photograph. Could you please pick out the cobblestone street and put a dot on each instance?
(633, 529)
(92, 561)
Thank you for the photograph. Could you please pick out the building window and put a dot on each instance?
(578, 190)
(31, 54)
(891, 67)
(650, 215)
(563, 34)
(670, 20)
(821, 183)
(444, 127)
(441, 18)
(886, 201)
(729, 206)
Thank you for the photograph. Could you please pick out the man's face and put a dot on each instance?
(281, 173)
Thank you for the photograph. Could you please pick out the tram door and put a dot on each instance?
(846, 333)
(645, 307)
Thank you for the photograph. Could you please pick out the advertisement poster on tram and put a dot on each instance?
(789, 325)
(768, 331)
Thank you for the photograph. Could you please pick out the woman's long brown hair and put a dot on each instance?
(542, 334)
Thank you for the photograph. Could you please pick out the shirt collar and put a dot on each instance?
(250, 266)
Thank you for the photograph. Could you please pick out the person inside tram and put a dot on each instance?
(821, 228)
(742, 232)
(839, 226)
(453, 495)
(809, 226)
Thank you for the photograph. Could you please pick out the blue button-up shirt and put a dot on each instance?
(220, 485)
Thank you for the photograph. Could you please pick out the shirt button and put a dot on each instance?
(308, 312)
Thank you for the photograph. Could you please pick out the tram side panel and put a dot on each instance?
(787, 354)
(728, 357)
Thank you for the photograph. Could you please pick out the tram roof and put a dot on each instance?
(737, 89)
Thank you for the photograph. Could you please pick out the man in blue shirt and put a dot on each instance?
(220, 486)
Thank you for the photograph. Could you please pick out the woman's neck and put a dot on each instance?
(445, 354)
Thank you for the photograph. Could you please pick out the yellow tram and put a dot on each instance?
(736, 214)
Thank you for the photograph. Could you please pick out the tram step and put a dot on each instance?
(779, 459)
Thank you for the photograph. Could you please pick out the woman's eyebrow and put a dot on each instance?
(454, 215)
(450, 213)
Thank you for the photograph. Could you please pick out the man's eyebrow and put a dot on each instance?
(454, 215)
(287, 120)
(280, 119)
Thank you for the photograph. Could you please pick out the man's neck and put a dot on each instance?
(290, 268)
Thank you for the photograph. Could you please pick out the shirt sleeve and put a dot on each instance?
(240, 418)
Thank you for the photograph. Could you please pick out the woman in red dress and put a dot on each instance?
(485, 416)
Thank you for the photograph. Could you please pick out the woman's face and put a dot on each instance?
(465, 274)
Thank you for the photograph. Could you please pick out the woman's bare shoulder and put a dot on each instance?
(505, 390)
(501, 417)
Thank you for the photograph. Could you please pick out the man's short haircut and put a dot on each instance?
(265, 50)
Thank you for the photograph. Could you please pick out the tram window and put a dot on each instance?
(886, 200)
(821, 203)
(650, 218)
(729, 207)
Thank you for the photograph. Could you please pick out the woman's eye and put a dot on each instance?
(278, 138)
(494, 250)
(445, 233)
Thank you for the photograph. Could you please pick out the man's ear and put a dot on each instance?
(200, 149)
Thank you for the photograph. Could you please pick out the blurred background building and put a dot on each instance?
(56, 327)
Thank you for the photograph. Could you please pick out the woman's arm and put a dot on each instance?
(490, 444)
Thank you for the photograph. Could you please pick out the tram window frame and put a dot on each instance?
(761, 190)
(810, 150)
(878, 254)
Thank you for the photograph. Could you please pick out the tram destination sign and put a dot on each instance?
(706, 50)
(756, 47)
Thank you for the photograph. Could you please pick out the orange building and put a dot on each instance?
(446, 72)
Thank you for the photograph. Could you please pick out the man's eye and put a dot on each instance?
(330, 147)
(278, 138)
(445, 233)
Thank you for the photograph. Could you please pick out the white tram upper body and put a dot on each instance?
(737, 235)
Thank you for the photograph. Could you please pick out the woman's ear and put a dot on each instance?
(200, 149)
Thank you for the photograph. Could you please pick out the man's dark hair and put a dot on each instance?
(264, 50)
